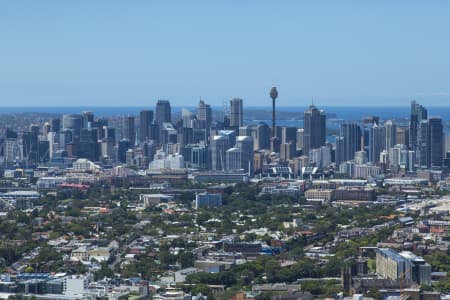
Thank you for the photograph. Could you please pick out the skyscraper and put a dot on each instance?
(46, 128)
(88, 119)
(418, 113)
(30, 144)
(187, 118)
(366, 127)
(128, 129)
(351, 134)
(300, 139)
(145, 120)
(55, 125)
(423, 146)
(402, 135)
(236, 112)
(123, 147)
(163, 112)
(391, 134)
(287, 151)
(339, 153)
(74, 123)
(219, 146)
(436, 132)
(261, 136)
(288, 134)
(377, 142)
(204, 114)
(314, 129)
(240, 157)
(245, 145)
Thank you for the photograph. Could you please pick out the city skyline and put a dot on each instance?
(238, 150)
(346, 54)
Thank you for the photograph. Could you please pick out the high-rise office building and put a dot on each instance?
(236, 112)
(128, 129)
(367, 123)
(418, 113)
(88, 119)
(245, 130)
(240, 157)
(300, 139)
(74, 123)
(12, 150)
(55, 125)
(219, 146)
(245, 145)
(163, 112)
(123, 147)
(351, 134)
(187, 118)
(30, 144)
(287, 151)
(155, 132)
(320, 157)
(436, 133)
(200, 156)
(230, 135)
(402, 135)
(46, 128)
(43, 151)
(398, 156)
(314, 133)
(339, 152)
(423, 146)
(204, 114)
(377, 142)
(288, 134)
(100, 122)
(108, 133)
(261, 136)
(446, 143)
(145, 122)
(221, 142)
(391, 134)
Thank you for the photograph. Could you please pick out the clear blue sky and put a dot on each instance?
(134, 52)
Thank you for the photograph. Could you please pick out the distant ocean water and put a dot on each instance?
(346, 113)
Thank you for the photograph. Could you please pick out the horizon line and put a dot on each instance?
(251, 106)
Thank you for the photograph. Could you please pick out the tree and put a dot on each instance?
(186, 259)
(29, 269)
(165, 258)
(375, 293)
(201, 289)
(105, 271)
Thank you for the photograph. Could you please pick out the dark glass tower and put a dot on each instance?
(351, 134)
(314, 129)
(418, 113)
(145, 121)
(236, 112)
(163, 112)
(128, 129)
(436, 132)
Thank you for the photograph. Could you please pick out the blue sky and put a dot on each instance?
(72, 53)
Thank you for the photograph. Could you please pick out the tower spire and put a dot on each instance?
(273, 95)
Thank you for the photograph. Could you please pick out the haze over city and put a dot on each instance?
(112, 53)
